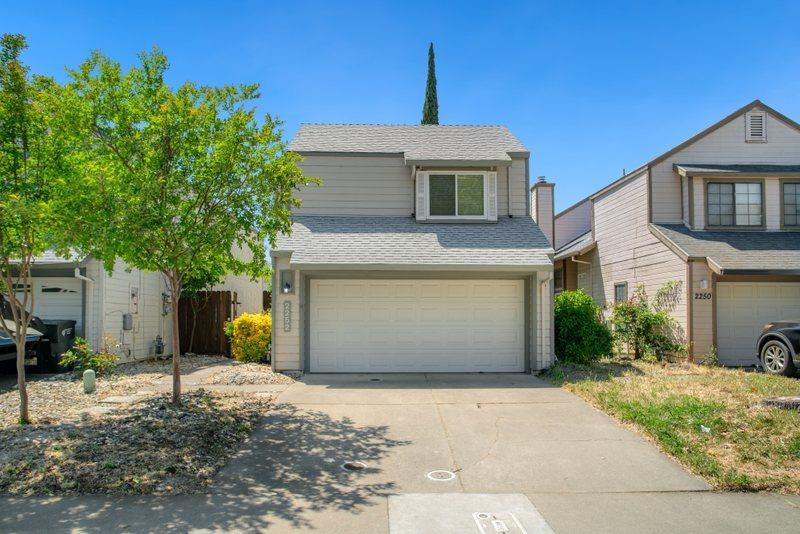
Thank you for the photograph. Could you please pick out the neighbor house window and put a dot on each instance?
(457, 195)
(734, 204)
(558, 280)
(621, 292)
(791, 204)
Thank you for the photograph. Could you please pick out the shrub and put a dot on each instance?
(647, 327)
(250, 335)
(83, 357)
(581, 335)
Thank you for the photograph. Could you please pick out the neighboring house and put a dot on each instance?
(80, 289)
(417, 253)
(719, 213)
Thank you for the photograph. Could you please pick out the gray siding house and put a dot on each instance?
(418, 253)
(719, 213)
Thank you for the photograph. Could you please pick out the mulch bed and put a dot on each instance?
(150, 447)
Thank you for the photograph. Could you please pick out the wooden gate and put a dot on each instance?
(206, 313)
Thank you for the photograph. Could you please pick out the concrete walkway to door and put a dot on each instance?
(514, 444)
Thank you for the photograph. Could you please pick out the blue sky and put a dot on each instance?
(590, 88)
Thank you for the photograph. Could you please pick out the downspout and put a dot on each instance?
(508, 191)
(551, 330)
(84, 280)
(414, 191)
(591, 279)
(79, 276)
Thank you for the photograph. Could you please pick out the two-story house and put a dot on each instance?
(418, 253)
(719, 214)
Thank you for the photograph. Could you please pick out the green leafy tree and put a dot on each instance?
(430, 109)
(30, 164)
(173, 180)
(580, 334)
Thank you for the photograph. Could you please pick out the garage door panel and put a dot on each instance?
(431, 290)
(417, 326)
(743, 308)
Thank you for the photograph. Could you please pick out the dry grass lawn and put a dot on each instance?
(708, 418)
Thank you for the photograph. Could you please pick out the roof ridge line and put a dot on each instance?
(403, 124)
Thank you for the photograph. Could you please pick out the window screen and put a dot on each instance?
(734, 204)
(621, 292)
(791, 201)
(442, 194)
(456, 195)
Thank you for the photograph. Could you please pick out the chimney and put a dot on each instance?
(542, 209)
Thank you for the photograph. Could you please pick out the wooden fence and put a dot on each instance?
(202, 322)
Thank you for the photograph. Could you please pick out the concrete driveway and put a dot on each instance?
(520, 450)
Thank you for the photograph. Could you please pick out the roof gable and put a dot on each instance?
(755, 104)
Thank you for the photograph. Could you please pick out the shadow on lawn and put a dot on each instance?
(289, 467)
(568, 373)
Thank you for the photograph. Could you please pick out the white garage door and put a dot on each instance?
(58, 298)
(417, 325)
(743, 308)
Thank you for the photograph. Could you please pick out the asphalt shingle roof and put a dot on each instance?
(401, 241)
(574, 247)
(415, 142)
(738, 252)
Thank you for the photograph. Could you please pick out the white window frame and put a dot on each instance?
(485, 174)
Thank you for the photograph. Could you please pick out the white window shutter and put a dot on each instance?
(491, 196)
(422, 190)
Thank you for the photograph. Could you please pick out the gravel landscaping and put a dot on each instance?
(713, 420)
(126, 438)
(61, 398)
(240, 374)
(149, 447)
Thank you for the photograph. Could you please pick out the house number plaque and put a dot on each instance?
(287, 316)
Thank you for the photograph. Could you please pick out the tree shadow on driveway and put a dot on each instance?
(287, 470)
(292, 465)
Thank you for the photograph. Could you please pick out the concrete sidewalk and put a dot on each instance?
(512, 442)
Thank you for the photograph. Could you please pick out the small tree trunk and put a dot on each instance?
(24, 415)
(176, 341)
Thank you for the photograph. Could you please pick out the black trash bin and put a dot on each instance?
(61, 334)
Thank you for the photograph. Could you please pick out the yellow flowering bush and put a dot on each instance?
(250, 335)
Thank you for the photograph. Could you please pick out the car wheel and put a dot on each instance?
(776, 358)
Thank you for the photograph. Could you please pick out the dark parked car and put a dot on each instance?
(779, 347)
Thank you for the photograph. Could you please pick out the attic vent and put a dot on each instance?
(756, 127)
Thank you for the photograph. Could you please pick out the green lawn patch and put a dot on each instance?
(709, 419)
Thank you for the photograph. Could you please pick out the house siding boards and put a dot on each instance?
(519, 189)
(573, 223)
(384, 185)
(286, 343)
(357, 185)
(723, 145)
(627, 250)
(702, 310)
(148, 322)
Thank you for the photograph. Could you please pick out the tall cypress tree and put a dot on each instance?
(430, 109)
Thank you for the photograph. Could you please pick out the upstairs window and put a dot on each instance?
(756, 127)
(734, 204)
(791, 204)
(457, 195)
